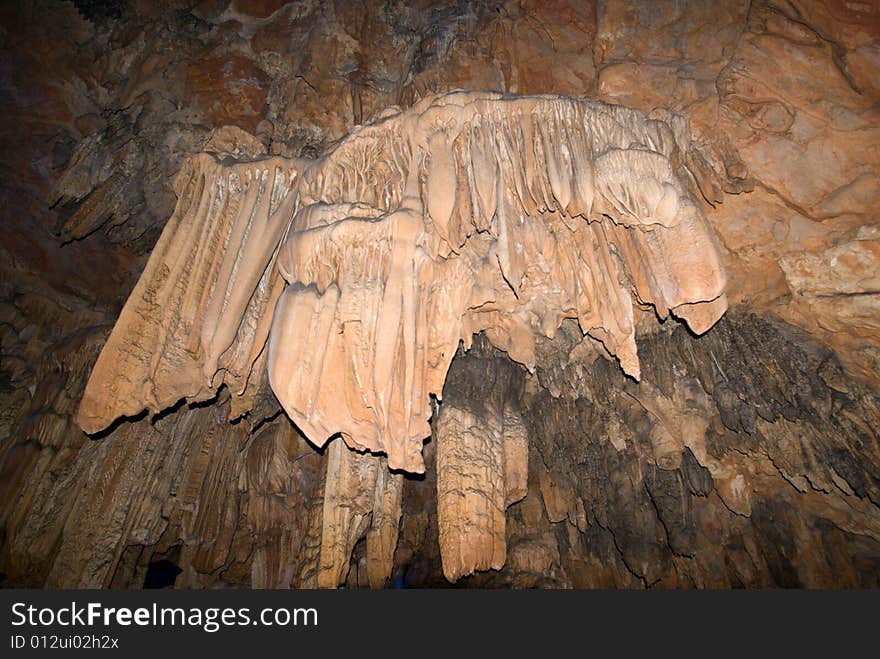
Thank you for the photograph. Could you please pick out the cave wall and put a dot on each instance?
(746, 457)
(739, 466)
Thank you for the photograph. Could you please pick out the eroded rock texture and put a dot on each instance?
(482, 464)
(727, 469)
(744, 457)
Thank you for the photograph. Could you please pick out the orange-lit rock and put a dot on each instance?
(469, 213)
(229, 90)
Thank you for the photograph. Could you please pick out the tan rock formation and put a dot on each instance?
(200, 314)
(482, 468)
(471, 212)
(482, 460)
(361, 499)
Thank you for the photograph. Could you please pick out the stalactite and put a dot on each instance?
(361, 499)
(200, 313)
(469, 212)
(482, 462)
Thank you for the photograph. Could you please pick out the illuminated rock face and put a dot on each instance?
(469, 212)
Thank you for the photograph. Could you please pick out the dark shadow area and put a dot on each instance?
(161, 574)
(109, 430)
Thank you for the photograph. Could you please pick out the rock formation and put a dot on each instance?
(200, 314)
(309, 222)
(468, 213)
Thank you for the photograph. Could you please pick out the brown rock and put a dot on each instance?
(233, 142)
(259, 8)
(361, 498)
(230, 90)
(746, 457)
